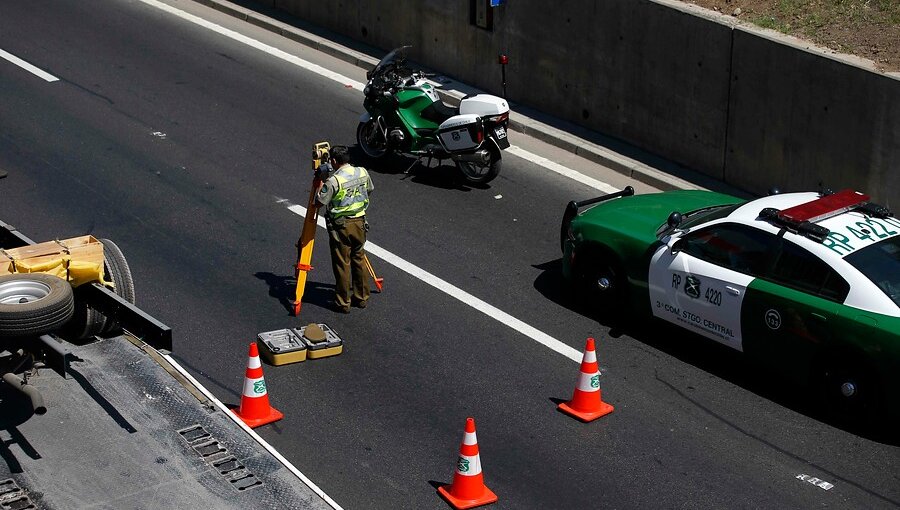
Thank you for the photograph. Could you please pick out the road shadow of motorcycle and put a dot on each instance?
(441, 174)
(707, 355)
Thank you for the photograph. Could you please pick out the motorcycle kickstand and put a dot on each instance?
(414, 163)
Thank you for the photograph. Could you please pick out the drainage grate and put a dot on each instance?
(217, 456)
(12, 497)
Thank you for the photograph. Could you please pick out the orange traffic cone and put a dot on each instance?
(587, 404)
(255, 410)
(468, 489)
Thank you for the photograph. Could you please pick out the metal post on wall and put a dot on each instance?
(503, 59)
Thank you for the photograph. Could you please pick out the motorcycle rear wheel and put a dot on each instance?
(479, 173)
(370, 140)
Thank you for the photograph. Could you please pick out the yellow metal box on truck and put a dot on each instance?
(78, 259)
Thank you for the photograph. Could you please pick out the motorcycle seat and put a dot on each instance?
(438, 112)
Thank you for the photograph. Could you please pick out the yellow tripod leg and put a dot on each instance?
(308, 236)
(378, 281)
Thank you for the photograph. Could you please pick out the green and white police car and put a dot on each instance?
(805, 283)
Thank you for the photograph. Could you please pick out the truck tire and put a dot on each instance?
(33, 304)
(86, 322)
(119, 273)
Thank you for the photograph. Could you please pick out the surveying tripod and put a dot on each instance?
(320, 156)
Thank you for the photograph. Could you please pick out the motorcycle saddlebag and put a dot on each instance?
(461, 133)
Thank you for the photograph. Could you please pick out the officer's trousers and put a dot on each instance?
(351, 278)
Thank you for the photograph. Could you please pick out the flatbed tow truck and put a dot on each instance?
(113, 421)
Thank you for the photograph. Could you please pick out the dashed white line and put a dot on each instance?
(463, 296)
(28, 67)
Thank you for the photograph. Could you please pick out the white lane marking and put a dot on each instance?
(349, 82)
(442, 285)
(28, 67)
(275, 52)
(252, 433)
(561, 170)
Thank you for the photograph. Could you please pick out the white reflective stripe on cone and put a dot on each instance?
(589, 357)
(254, 387)
(589, 382)
(253, 362)
(468, 465)
(469, 439)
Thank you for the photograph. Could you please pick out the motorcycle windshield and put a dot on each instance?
(395, 55)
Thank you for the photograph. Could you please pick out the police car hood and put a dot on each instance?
(640, 216)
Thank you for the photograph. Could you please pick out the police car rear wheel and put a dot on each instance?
(851, 391)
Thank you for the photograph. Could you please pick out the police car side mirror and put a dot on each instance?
(674, 220)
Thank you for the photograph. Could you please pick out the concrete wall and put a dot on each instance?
(751, 109)
(798, 118)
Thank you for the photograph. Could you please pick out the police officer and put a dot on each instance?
(345, 195)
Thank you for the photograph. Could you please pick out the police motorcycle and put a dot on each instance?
(405, 115)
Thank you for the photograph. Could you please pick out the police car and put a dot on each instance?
(805, 283)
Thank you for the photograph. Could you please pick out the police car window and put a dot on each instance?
(737, 247)
(880, 262)
(799, 269)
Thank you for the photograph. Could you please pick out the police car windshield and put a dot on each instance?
(699, 216)
(707, 214)
(881, 264)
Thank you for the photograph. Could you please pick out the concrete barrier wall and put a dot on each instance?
(798, 118)
(748, 108)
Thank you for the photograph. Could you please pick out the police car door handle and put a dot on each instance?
(733, 290)
(818, 316)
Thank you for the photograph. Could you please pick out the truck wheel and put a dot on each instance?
(118, 271)
(86, 321)
(370, 140)
(33, 304)
(481, 173)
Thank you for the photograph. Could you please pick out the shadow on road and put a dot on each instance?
(283, 288)
(707, 355)
(437, 174)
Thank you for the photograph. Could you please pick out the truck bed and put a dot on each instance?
(125, 429)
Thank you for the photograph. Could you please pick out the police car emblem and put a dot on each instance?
(773, 318)
(692, 287)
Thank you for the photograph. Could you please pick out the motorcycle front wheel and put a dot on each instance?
(481, 173)
(371, 140)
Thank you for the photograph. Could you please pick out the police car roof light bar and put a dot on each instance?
(825, 207)
(804, 228)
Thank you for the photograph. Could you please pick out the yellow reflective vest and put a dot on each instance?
(351, 192)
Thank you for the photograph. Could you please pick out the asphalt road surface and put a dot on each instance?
(188, 147)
